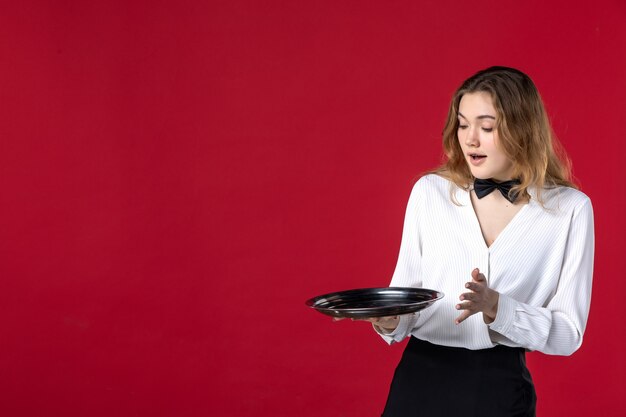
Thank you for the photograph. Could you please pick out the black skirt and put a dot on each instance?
(433, 380)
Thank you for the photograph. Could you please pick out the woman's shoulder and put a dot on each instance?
(564, 197)
(433, 188)
(433, 181)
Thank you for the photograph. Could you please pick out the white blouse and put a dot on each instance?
(541, 264)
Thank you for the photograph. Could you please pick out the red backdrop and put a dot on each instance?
(178, 177)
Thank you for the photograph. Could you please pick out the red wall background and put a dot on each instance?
(178, 177)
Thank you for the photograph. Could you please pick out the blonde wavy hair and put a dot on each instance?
(524, 132)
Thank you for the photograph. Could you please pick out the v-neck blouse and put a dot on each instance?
(541, 263)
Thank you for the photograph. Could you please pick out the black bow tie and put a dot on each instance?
(484, 187)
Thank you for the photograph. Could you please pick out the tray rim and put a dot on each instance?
(361, 312)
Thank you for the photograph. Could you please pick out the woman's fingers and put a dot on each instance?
(376, 320)
(480, 299)
(474, 286)
(383, 321)
(468, 305)
(475, 273)
(468, 296)
(463, 316)
(473, 301)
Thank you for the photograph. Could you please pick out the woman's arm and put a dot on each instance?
(558, 327)
(407, 272)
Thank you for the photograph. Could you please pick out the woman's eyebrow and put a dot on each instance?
(484, 116)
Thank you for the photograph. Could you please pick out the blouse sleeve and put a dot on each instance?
(557, 328)
(407, 272)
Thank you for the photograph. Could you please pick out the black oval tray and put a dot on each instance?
(374, 302)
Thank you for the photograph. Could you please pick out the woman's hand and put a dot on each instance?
(480, 299)
(383, 324)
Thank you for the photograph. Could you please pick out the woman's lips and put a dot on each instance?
(476, 159)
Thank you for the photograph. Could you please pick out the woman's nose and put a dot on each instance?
(471, 138)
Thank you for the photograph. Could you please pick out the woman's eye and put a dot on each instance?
(488, 129)
(462, 126)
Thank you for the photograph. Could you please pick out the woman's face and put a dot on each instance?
(479, 138)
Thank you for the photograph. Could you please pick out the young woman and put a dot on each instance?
(509, 240)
